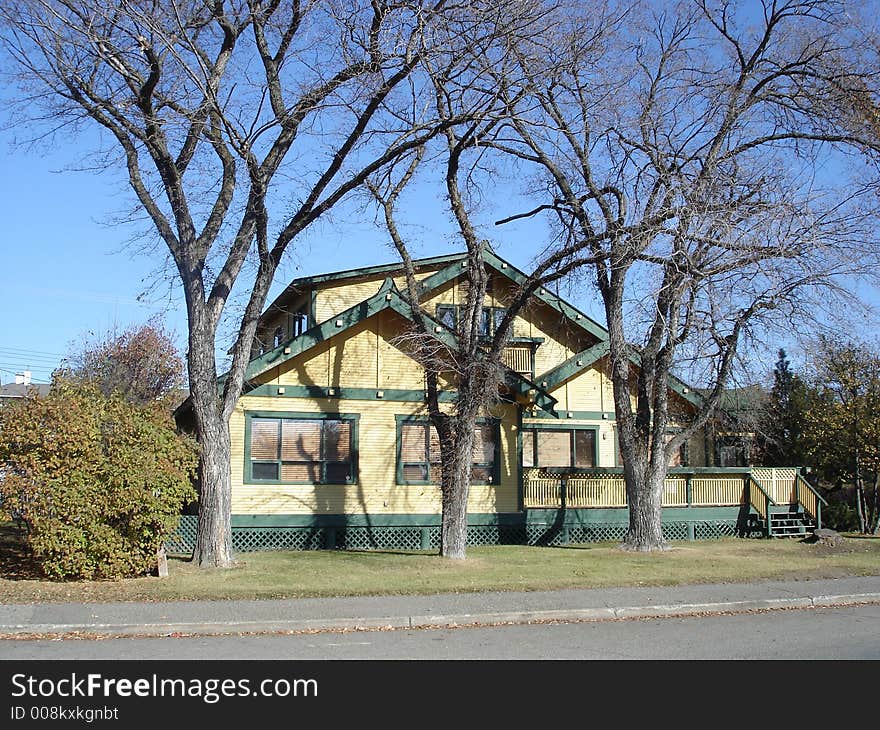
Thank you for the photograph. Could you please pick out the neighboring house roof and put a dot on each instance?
(18, 390)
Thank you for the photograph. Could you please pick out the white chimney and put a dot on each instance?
(23, 378)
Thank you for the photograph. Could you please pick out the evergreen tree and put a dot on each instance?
(781, 434)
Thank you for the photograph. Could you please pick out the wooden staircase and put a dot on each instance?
(792, 522)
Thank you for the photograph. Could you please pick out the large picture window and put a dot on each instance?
(302, 450)
(418, 460)
(559, 448)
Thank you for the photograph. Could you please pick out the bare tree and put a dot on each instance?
(690, 149)
(239, 123)
(463, 88)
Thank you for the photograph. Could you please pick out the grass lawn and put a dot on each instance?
(508, 567)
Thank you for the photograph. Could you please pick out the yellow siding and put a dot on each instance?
(333, 298)
(585, 391)
(396, 369)
(312, 371)
(330, 300)
(375, 490)
(447, 294)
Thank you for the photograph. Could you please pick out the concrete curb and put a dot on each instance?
(434, 621)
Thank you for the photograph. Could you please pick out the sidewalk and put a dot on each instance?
(410, 612)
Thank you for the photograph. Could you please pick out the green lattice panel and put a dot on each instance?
(714, 530)
(544, 535)
(600, 532)
(512, 535)
(675, 531)
(379, 538)
(183, 539)
(257, 539)
(485, 535)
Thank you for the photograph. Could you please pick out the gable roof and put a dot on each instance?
(388, 297)
(450, 266)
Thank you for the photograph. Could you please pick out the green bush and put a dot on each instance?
(841, 517)
(99, 482)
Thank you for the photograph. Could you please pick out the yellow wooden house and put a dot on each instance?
(331, 444)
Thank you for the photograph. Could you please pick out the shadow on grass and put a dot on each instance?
(16, 561)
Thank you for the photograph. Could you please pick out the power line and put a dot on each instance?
(27, 351)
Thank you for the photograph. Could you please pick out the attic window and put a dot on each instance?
(299, 323)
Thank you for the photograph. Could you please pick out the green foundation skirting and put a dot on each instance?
(252, 533)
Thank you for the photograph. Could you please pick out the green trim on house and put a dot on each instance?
(322, 332)
(433, 282)
(401, 419)
(518, 277)
(367, 394)
(370, 520)
(368, 271)
(388, 297)
(354, 418)
(574, 365)
(422, 531)
(576, 415)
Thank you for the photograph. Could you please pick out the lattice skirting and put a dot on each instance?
(253, 539)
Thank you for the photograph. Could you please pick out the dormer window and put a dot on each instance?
(299, 323)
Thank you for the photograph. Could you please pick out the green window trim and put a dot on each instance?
(351, 418)
(530, 431)
(494, 468)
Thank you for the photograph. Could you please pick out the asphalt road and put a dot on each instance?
(841, 633)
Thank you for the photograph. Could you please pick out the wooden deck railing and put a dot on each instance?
(695, 487)
(759, 499)
(809, 499)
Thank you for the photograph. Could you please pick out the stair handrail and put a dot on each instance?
(812, 505)
(761, 501)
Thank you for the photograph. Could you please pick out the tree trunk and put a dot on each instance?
(875, 525)
(644, 492)
(214, 539)
(456, 488)
(860, 507)
(213, 547)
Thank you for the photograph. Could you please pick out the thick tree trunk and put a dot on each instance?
(214, 539)
(213, 547)
(644, 492)
(456, 488)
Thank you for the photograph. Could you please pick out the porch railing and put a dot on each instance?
(760, 500)
(809, 499)
(684, 487)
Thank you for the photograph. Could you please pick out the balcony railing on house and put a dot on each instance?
(765, 489)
